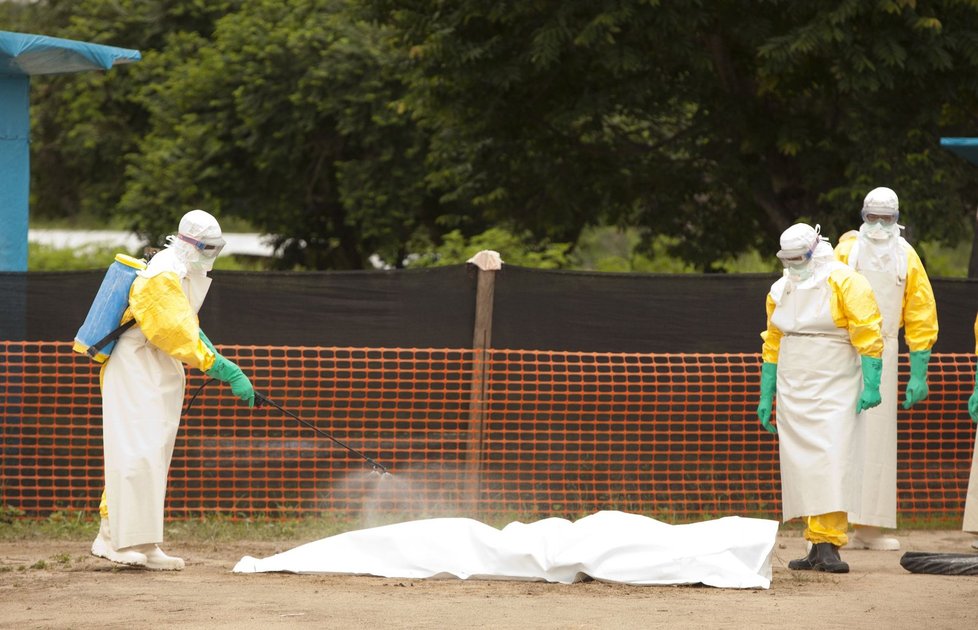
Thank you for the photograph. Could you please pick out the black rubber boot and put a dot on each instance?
(804, 564)
(821, 557)
(827, 559)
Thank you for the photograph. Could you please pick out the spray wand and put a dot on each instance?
(260, 400)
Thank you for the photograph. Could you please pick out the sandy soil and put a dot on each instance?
(57, 584)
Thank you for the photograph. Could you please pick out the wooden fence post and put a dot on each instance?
(488, 263)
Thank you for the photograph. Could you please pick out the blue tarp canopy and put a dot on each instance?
(962, 147)
(22, 54)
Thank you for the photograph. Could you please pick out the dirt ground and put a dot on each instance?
(58, 584)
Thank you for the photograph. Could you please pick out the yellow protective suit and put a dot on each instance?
(816, 331)
(852, 308)
(142, 395)
(918, 312)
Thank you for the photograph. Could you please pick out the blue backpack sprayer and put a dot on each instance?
(98, 334)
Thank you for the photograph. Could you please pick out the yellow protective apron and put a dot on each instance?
(142, 397)
(819, 381)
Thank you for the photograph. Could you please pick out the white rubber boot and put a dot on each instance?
(866, 537)
(156, 559)
(102, 547)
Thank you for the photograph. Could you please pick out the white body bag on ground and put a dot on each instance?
(730, 552)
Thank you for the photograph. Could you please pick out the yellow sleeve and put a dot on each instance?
(844, 247)
(919, 307)
(166, 318)
(772, 336)
(976, 335)
(854, 308)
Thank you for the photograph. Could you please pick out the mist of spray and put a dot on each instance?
(383, 498)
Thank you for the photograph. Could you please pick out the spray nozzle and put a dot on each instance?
(380, 473)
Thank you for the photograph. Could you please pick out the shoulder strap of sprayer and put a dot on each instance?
(96, 347)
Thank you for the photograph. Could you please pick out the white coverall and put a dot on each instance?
(142, 395)
(817, 329)
(905, 299)
(970, 523)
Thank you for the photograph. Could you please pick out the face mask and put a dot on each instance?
(800, 271)
(879, 231)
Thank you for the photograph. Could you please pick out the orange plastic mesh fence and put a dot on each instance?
(512, 432)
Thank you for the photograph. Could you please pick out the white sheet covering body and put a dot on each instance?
(610, 546)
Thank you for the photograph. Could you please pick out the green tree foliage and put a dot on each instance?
(717, 123)
(285, 117)
(519, 249)
(14, 15)
(353, 128)
(84, 125)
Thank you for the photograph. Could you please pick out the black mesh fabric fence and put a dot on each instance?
(533, 309)
(425, 308)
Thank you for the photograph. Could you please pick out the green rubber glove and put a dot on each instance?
(227, 372)
(769, 385)
(973, 401)
(917, 387)
(872, 373)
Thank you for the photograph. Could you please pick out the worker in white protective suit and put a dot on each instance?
(905, 299)
(143, 388)
(971, 502)
(822, 357)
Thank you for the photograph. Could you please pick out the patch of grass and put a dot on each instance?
(64, 559)
(78, 221)
(9, 514)
(930, 521)
(47, 258)
(59, 525)
(222, 528)
(69, 525)
(219, 528)
(94, 256)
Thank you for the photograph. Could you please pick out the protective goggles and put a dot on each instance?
(877, 217)
(795, 257)
(208, 248)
